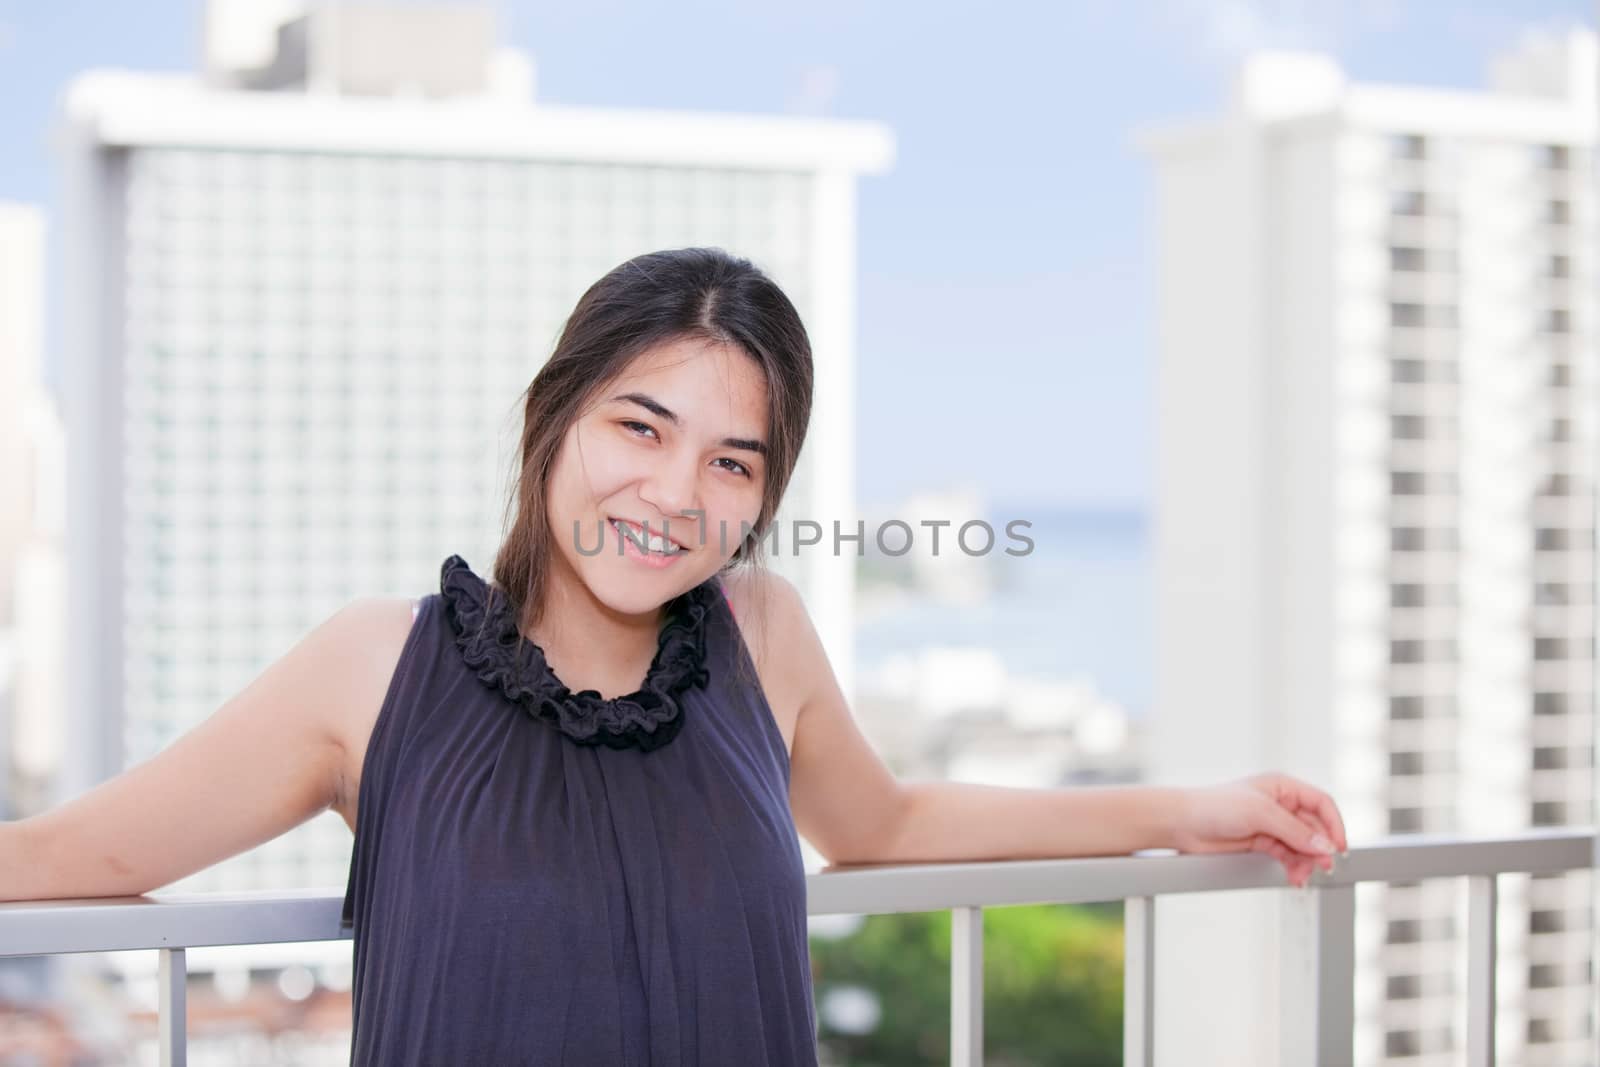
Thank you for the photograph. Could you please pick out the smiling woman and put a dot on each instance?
(675, 403)
(576, 781)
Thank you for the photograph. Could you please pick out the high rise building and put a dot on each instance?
(32, 578)
(22, 236)
(32, 551)
(305, 290)
(1375, 521)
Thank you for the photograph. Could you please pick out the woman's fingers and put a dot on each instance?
(1291, 832)
(1297, 824)
(1287, 826)
(1311, 819)
(1294, 865)
(1305, 797)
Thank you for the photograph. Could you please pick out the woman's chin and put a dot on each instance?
(632, 589)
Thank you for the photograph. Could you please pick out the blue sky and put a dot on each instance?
(1006, 333)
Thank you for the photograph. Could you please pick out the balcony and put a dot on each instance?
(1316, 937)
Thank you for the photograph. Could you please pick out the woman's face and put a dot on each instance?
(680, 433)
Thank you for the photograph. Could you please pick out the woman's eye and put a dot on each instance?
(742, 468)
(630, 424)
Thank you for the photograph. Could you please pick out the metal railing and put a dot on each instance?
(1316, 941)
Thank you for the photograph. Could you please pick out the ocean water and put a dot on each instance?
(1078, 606)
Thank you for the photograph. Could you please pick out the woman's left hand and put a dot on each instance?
(1271, 813)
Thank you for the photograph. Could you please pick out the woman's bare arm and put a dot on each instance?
(18, 862)
(267, 760)
(848, 804)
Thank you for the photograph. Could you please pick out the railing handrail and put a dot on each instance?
(171, 920)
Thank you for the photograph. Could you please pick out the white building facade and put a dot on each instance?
(299, 321)
(1375, 523)
(32, 564)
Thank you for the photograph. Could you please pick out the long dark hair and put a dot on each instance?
(653, 299)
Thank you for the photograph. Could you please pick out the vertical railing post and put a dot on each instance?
(172, 1019)
(1482, 893)
(1316, 976)
(966, 987)
(1139, 982)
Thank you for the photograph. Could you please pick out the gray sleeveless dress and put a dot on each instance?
(544, 877)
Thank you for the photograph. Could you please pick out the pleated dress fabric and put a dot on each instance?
(545, 877)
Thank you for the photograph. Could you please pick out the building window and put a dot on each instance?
(1551, 538)
(1407, 259)
(1549, 703)
(1405, 651)
(1408, 371)
(1555, 156)
(1550, 593)
(1408, 202)
(1413, 371)
(1408, 146)
(1413, 931)
(1559, 213)
(1545, 976)
(1402, 1043)
(1556, 485)
(1546, 921)
(1404, 821)
(1404, 987)
(1549, 813)
(1549, 648)
(1405, 763)
(1560, 266)
(1411, 595)
(1407, 539)
(1408, 427)
(1406, 707)
(1397, 1043)
(1413, 650)
(1549, 759)
(1415, 483)
(1409, 315)
(1557, 320)
(1414, 315)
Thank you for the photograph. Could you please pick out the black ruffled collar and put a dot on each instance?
(490, 643)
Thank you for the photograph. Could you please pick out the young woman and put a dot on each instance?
(575, 782)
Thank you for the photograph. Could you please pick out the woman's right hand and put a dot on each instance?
(1272, 813)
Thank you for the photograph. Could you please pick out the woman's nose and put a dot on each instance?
(671, 489)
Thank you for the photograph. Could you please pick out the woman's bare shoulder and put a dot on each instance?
(376, 636)
(772, 617)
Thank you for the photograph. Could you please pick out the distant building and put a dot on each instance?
(945, 540)
(31, 525)
(33, 633)
(22, 235)
(1375, 518)
(957, 712)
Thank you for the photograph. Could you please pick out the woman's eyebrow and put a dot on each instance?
(660, 410)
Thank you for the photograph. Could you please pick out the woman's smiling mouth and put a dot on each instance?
(655, 546)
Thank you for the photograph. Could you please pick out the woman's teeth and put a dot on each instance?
(656, 542)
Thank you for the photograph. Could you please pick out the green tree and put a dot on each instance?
(1052, 987)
